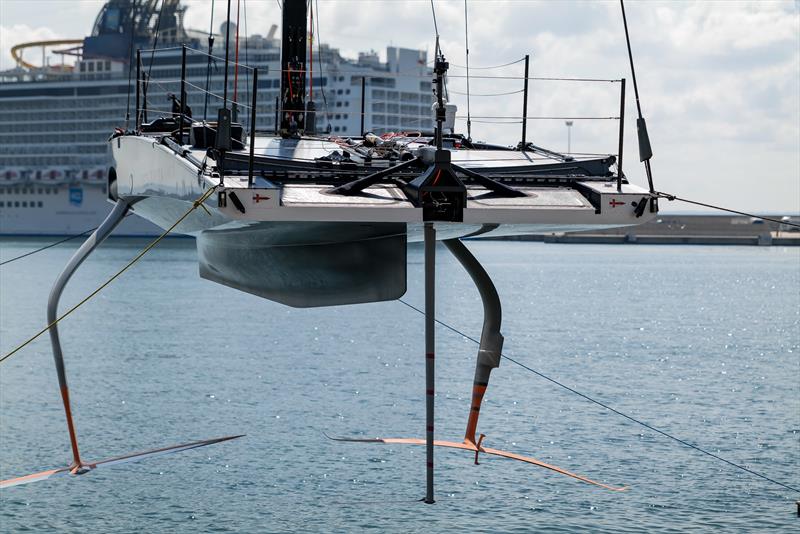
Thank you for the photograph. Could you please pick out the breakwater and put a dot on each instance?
(686, 230)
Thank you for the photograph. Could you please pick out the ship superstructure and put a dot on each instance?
(55, 119)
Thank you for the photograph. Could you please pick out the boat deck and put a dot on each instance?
(293, 181)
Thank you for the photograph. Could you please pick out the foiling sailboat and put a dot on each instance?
(308, 219)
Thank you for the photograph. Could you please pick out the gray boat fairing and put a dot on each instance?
(308, 263)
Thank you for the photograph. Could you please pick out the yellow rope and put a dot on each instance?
(197, 203)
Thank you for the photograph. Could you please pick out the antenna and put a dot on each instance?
(466, 46)
(440, 67)
(645, 151)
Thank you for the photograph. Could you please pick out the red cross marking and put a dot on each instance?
(258, 198)
(614, 203)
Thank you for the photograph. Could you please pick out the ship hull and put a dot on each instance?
(30, 209)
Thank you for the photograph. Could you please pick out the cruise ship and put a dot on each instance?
(56, 119)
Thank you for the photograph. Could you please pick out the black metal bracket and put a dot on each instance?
(488, 183)
(640, 207)
(438, 191)
(357, 186)
(236, 202)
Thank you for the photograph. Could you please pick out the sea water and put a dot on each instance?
(702, 342)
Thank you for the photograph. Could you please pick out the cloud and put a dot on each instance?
(22, 33)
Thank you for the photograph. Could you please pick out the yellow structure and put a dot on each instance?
(16, 51)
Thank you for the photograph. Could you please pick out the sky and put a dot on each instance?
(719, 81)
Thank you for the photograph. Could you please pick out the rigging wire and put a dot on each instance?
(236, 58)
(669, 197)
(311, 51)
(130, 65)
(645, 151)
(439, 52)
(489, 94)
(466, 47)
(153, 51)
(247, 71)
(32, 252)
(435, 27)
(403, 74)
(488, 67)
(204, 53)
(227, 55)
(607, 407)
(208, 64)
(319, 62)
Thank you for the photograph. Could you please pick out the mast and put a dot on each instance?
(293, 68)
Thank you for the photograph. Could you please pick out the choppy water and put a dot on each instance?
(703, 342)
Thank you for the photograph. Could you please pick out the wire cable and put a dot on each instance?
(466, 47)
(319, 62)
(51, 245)
(607, 407)
(488, 67)
(669, 197)
(435, 26)
(246, 71)
(130, 66)
(489, 94)
(208, 62)
(153, 51)
(645, 152)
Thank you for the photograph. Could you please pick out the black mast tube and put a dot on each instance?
(277, 114)
(183, 93)
(525, 103)
(145, 77)
(208, 77)
(138, 81)
(621, 132)
(252, 129)
(363, 103)
(227, 46)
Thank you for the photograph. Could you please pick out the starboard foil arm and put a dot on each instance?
(85, 467)
(491, 343)
(479, 449)
(489, 354)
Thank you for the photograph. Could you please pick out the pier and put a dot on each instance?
(685, 230)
